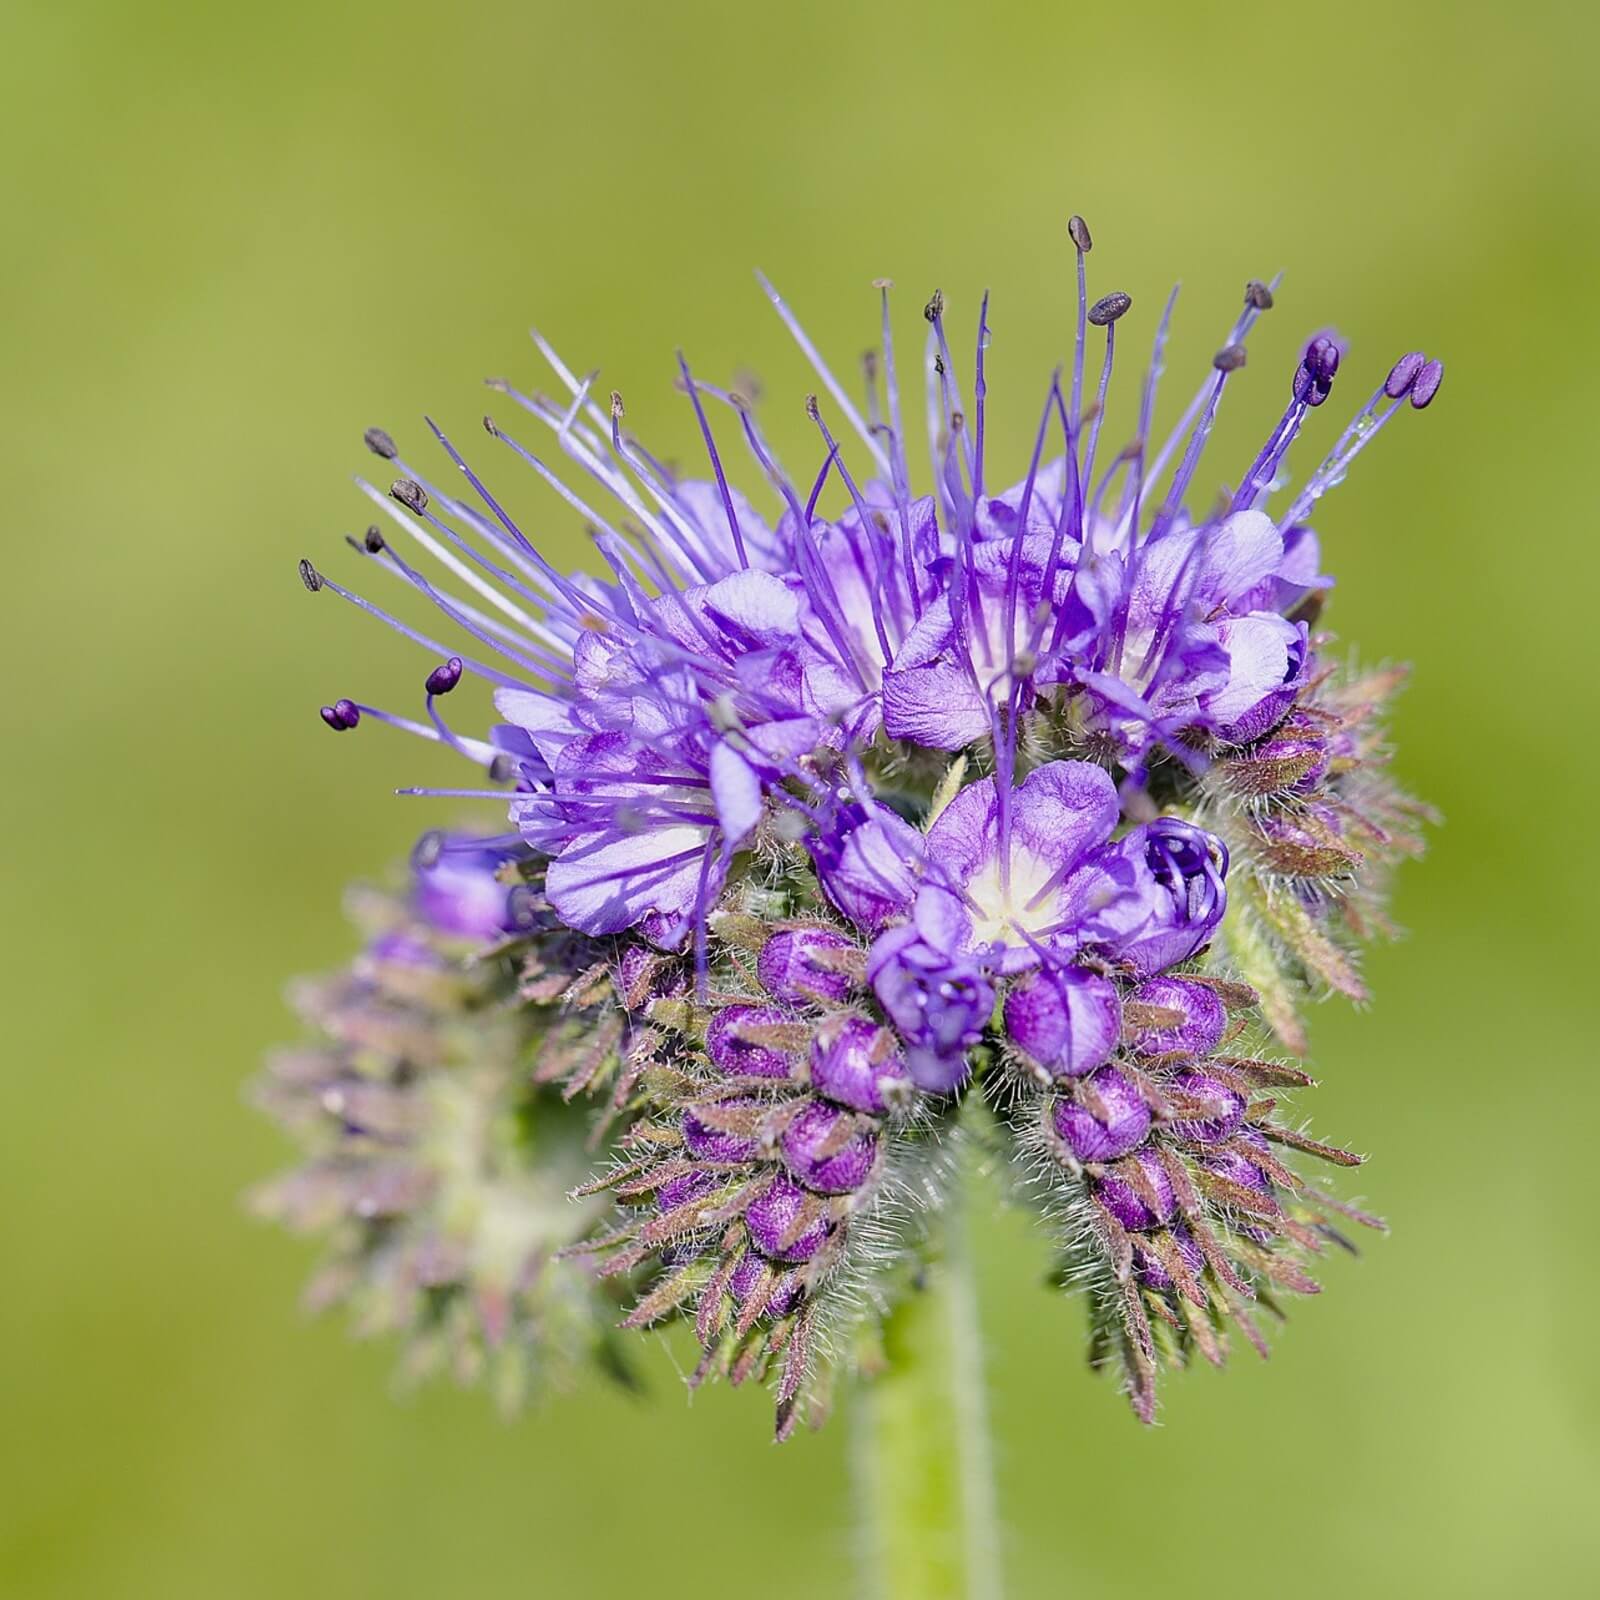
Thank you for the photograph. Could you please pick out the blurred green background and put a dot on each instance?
(233, 237)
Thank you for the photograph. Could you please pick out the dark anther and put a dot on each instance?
(426, 851)
(502, 769)
(381, 444)
(1229, 358)
(811, 407)
(373, 540)
(1427, 384)
(935, 306)
(341, 716)
(1108, 308)
(1403, 374)
(410, 494)
(1079, 230)
(445, 677)
(1257, 294)
(869, 365)
(491, 428)
(1322, 357)
(938, 363)
(309, 575)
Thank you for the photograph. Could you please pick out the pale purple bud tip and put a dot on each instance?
(1132, 1206)
(1066, 1022)
(1427, 385)
(1204, 1017)
(1223, 1113)
(1403, 374)
(788, 968)
(772, 1214)
(738, 1056)
(813, 1156)
(445, 677)
(1117, 1123)
(858, 1067)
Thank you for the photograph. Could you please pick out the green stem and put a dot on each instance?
(922, 1445)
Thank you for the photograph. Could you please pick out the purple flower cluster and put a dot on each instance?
(871, 798)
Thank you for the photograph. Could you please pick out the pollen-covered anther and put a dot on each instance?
(410, 494)
(1229, 358)
(1257, 295)
(1108, 308)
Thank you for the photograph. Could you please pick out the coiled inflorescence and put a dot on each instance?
(851, 828)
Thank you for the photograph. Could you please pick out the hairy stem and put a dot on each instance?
(922, 1445)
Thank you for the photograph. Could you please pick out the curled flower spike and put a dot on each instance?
(846, 821)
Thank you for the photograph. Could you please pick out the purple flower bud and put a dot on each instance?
(1152, 1269)
(1065, 1020)
(1223, 1114)
(1132, 1208)
(706, 1143)
(788, 969)
(773, 1212)
(1403, 374)
(868, 870)
(1294, 760)
(1205, 1018)
(856, 1065)
(1106, 1123)
(808, 1153)
(739, 1057)
(681, 1190)
(1239, 1170)
(1427, 385)
(745, 1277)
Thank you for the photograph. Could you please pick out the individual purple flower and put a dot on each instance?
(1012, 871)
(1169, 899)
(939, 1000)
(460, 886)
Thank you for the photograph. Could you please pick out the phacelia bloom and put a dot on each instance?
(870, 803)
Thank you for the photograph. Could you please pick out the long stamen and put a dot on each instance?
(901, 474)
(716, 464)
(821, 368)
(1082, 244)
(1103, 314)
